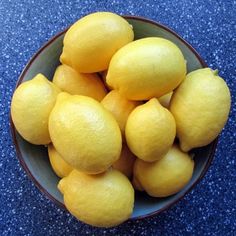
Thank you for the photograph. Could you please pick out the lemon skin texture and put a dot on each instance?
(59, 166)
(146, 68)
(165, 99)
(103, 75)
(201, 106)
(125, 162)
(102, 200)
(31, 105)
(150, 131)
(90, 43)
(72, 82)
(120, 107)
(167, 176)
(136, 184)
(84, 133)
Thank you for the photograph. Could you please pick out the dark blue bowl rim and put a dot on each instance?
(42, 189)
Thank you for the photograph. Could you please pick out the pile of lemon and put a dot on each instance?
(108, 137)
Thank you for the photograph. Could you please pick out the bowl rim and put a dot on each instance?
(36, 182)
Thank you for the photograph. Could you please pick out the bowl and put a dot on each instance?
(34, 159)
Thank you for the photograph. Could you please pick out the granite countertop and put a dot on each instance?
(209, 26)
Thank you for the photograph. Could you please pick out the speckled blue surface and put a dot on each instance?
(210, 26)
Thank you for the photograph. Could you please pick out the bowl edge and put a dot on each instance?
(30, 175)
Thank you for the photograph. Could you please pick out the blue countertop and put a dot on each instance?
(209, 26)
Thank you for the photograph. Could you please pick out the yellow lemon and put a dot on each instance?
(31, 105)
(103, 75)
(165, 99)
(125, 162)
(60, 167)
(102, 200)
(201, 106)
(120, 107)
(90, 43)
(84, 133)
(166, 176)
(146, 68)
(150, 131)
(70, 81)
(136, 184)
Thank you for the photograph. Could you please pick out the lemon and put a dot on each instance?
(84, 133)
(120, 107)
(102, 200)
(125, 162)
(150, 131)
(103, 75)
(90, 42)
(70, 81)
(166, 176)
(60, 167)
(31, 105)
(165, 99)
(201, 106)
(136, 184)
(146, 68)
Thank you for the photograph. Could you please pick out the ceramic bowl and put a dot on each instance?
(34, 159)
